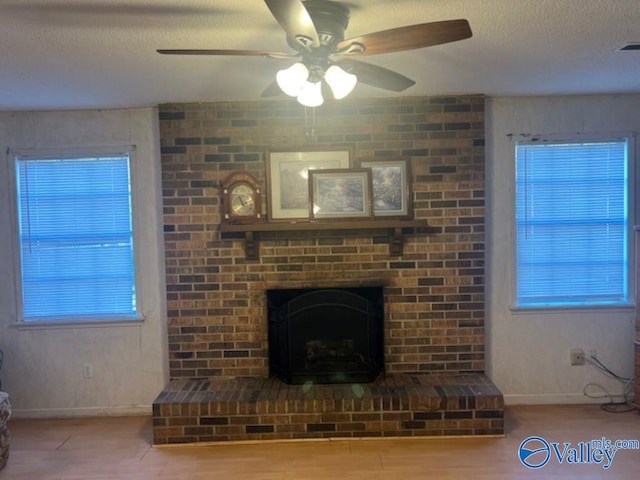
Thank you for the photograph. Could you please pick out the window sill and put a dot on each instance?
(103, 323)
(572, 309)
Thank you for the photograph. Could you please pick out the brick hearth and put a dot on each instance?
(268, 409)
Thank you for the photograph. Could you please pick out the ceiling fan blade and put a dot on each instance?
(377, 76)
(294, 18)
(272, 90)
(244, 53)
(406, 38)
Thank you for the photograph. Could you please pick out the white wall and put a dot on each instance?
(528, 353)
(43, 367)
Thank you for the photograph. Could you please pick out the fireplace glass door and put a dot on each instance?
(326, 335)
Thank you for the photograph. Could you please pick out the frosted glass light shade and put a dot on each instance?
(311, 94)
(292, 79)
(341, 82)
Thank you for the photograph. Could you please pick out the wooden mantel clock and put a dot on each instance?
(242, 199)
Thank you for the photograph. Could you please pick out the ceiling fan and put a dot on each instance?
(315, 31)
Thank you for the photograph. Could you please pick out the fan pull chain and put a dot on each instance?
(310, 125)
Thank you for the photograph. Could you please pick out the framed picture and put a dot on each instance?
(340, 194)
(391, 180)
(288, 180)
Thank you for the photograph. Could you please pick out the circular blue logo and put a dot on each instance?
(534, 452)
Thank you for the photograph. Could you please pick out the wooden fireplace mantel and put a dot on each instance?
(252, 231)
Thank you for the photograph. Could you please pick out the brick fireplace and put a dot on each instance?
(433, 292)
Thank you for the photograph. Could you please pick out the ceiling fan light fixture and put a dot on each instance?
(311, 94)
(292, 80)
(315, 30)
(341, 82)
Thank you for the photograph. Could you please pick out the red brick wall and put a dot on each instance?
(434, 292)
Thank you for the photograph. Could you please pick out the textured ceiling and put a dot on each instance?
(76, 54)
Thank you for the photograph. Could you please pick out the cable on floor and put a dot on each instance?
(611, 406)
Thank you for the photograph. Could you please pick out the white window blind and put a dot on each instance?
(572, 224)
(76, 238)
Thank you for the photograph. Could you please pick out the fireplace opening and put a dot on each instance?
(326, 335)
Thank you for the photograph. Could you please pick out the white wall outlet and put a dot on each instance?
(577, 356)
(87, 370)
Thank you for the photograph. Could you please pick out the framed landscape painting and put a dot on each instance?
(288, 180)
(340, 194)
(391, 179)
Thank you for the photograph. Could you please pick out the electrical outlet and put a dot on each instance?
(87, 370)
(577, 356)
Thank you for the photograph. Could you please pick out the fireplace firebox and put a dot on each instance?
(326, 335)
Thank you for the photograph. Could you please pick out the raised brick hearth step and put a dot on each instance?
(189, 411)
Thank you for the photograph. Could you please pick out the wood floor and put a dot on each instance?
(120, 448)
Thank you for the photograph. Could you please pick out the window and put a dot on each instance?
(74, 216)
(572, 223)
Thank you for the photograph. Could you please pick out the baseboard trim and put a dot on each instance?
(509, 399)
(552, 399)
(81, 412)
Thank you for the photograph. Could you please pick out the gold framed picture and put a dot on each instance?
(288, 179)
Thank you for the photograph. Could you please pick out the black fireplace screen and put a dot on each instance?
(326, 335)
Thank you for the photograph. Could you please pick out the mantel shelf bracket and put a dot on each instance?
(395, 242)
(251, 246)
